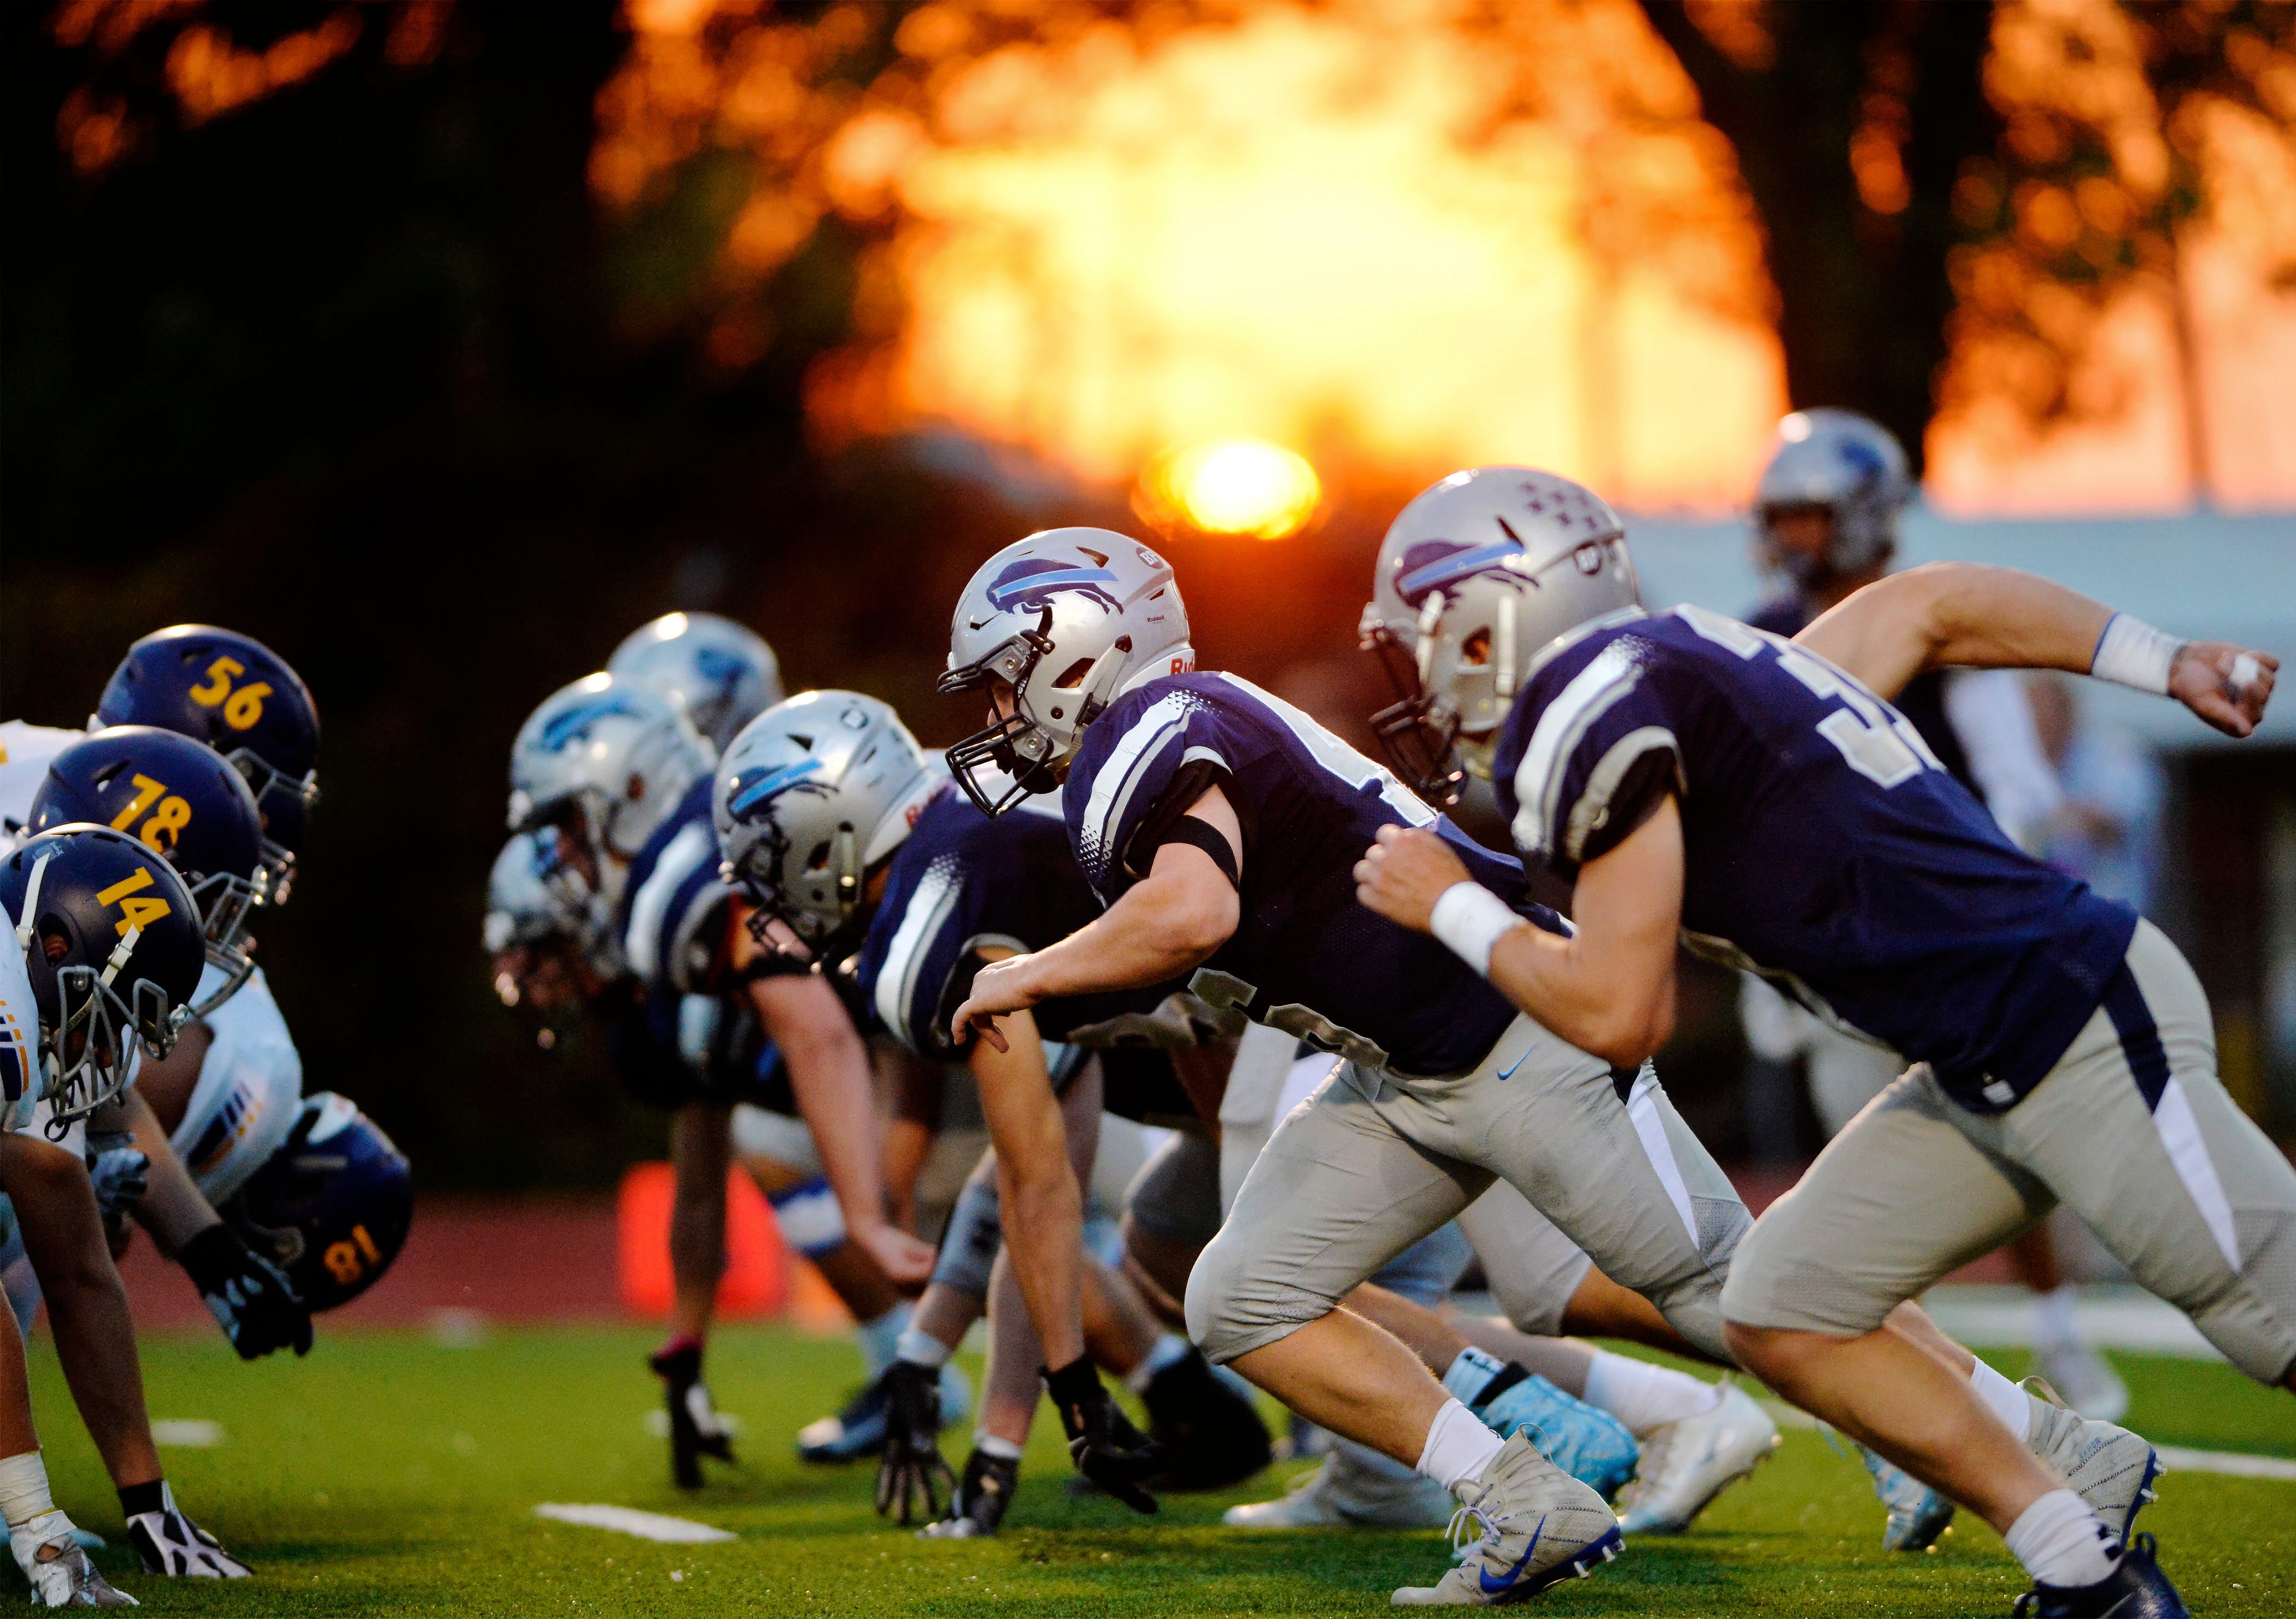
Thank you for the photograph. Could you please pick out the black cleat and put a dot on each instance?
(1211, 1436)
(2136, 1589)
(856, 1432)
(982, 1497)
(695, 1428)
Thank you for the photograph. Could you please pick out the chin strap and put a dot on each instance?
(31, 902)
(122, 954)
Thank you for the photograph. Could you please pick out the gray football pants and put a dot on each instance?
(2131, 1130)
(1376, 1160)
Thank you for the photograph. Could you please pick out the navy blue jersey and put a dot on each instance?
(1922, 700)
(1305, 957)
(963, 882)
(1826, 846)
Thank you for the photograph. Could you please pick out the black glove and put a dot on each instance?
(1102, 1442)
(695, 1428)
(911, 1470)
(249, 1297)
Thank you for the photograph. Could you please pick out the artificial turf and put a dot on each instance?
(390, 1472)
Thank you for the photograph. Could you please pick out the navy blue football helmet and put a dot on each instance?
(178, 798)
(331, 1206)
(112, 941)
(237, 695)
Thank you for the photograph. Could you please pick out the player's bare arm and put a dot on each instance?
(829, 1073)
(1970, 615)
(1044, 1224)
(1170, 921)
(1607, 989)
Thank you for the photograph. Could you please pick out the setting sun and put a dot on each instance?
(1231, 486)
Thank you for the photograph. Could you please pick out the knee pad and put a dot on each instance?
(1175, 1195)
(976, 1230)
(810, 1217)
(1237, 1304)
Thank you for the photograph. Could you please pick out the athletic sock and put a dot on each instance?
(921, 1348)
(24, 1489)
(1458, 1447)
(2004, 1399)
(2061, 1542)
(1474, 1372)
(136, 1499)
(1167, 1351)
(1002, 1450)
(881, 1339)
(2053, 1326)
(1643, 1396)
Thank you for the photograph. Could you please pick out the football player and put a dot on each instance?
(1825, 516)
(723, 673)
(1675, 768)
(1221, 825)
(103, 957)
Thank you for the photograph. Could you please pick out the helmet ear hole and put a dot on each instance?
(818, 861)
(1073, 675)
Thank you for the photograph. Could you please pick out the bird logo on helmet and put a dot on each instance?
(113, 947)
(178, 798)
(1063, 623)
(608, 759)
(332, 1206)
(722, 671)
(1475, 578)
(241, 698)
(813, 795)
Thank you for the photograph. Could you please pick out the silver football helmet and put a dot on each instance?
(533, 897)
(1474, 577)
(814, 793)
(621, 753)
(723, 672)
(1071, 618)
(1850, 468)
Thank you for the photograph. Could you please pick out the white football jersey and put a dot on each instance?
(250, 1092)
(25, 751)
(20, 1035)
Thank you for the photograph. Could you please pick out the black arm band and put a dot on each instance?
(1202, 834)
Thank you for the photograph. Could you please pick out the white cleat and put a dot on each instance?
(2110, 1467)
(1537, 1525)
(1353, 1489)
(2085, 1380)
(1686, 1464)
(57, 1566)
(1918, 1515)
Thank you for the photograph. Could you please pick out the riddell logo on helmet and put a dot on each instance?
(1031, 583)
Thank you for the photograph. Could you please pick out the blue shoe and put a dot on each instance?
(1591, 1445)
(856, 1432)
(1918, 1514)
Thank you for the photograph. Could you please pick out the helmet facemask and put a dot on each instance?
(227, 905)
(1419, 730)
(1018, 745)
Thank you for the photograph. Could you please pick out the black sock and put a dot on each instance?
(136, 1499)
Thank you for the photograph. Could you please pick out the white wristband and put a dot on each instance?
(2132, 653)
(1469, 918)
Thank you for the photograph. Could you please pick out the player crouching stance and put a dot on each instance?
(1758, 798)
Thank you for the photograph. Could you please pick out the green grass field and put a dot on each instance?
(389, 1474)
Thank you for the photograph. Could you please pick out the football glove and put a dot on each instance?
(910, 1470)
(695, 1428)
(1102, 1442)
(249, 1297)
(119, 1172)
(167, 1542)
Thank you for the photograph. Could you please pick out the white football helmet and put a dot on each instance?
(1072, 618)
(814, 793)
(723, 672)
(621, 753)
(533, 897)
(1849, 467)
(1475, 576)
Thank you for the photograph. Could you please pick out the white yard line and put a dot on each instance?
(629, 1520)
(2178, 1460)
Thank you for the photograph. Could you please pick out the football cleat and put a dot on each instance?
(695, 1428)
(983, 1496)
(1590, 1444)
(1918, 1515)
(2085, 1380)
(1211, 1436)
(1686, 1464)
(1353, 1487)
(2136, 1589)
(847, 1436)
(1524, 1525)
(167, 1542)
(48, 1550)
(2110, 1467)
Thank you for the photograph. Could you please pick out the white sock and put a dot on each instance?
(2004, 1399)
(24, 1489)
(1458, 1447)
(921, 1348)
(2061, 1542)
(989, 1445)
(1163, 1352)
(2052, 1319)
(881, 1339)
(1644, 1396)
